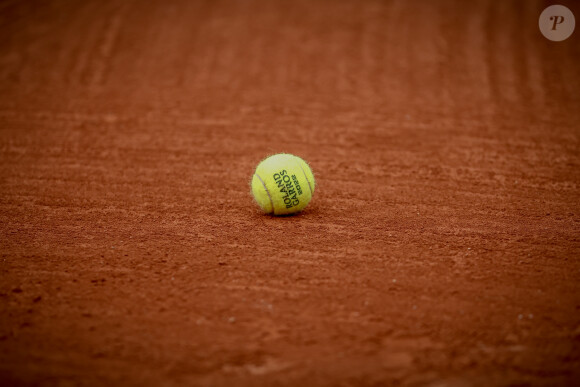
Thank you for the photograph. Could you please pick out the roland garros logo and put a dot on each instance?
(557, 23)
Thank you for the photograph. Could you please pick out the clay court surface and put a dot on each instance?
(442, 244)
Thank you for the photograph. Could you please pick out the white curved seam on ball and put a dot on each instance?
(267, 192)
(305, 176)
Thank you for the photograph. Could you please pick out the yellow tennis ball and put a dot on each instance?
(283, 184)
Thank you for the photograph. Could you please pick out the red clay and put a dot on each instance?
(441, 246)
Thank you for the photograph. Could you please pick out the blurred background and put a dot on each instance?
(441, 246)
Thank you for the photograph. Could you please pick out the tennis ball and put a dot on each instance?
(283, 184)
